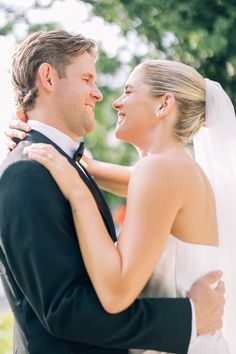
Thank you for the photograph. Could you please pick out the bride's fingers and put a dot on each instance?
(40, 146)
(7, 150)
(45, 160)
(14, 133)
(10, 144)
(18, 124)
(41, 149)
(211, 278)
(45, 154)
(220, 288)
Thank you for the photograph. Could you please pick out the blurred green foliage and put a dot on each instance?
(196, 32)
(6, 333)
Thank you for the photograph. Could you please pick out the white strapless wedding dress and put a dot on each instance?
(180, 265)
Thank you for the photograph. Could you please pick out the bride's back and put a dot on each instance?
(196, 222)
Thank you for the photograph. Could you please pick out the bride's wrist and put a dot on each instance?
(91, 166)
(78, 195)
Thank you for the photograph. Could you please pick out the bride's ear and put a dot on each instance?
(166, 105)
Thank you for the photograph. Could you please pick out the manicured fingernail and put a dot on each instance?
(22, 135)
(28, 128)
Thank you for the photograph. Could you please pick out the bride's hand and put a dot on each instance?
(16, 129)
(88, 162)
(64, 174)
(92, 166)
(85, 161)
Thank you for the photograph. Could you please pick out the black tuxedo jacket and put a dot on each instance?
(55, 307)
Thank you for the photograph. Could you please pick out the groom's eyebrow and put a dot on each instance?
(89, 75)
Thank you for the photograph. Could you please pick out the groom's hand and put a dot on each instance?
(208, 302)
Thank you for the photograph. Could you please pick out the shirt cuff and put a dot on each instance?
(194, 325)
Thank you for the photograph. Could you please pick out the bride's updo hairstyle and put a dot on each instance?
(188, 88)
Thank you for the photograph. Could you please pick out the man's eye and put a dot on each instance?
(86, 80)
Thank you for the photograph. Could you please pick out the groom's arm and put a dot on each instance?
(43, 254)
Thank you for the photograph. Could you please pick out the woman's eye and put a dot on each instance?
(127, 92)
(86, 80)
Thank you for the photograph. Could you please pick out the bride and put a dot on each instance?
(178, 223)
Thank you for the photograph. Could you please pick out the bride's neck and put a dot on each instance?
(160, 147)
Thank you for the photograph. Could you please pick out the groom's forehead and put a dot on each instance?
(84, 64)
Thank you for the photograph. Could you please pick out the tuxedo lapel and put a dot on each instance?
(102, 204)
(36, 137)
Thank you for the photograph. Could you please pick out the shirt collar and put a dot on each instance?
(61, 139)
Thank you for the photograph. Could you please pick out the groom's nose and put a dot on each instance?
(96, 93)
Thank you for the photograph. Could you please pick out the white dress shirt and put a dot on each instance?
(58, 137)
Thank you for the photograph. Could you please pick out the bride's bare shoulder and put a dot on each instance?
(158, 164)
(167, 169)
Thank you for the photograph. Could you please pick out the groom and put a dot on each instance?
(55, 307)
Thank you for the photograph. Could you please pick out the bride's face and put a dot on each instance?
(136, 109)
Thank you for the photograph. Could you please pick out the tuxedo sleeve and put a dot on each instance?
(41, 248)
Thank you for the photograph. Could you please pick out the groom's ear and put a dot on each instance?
(46, 76)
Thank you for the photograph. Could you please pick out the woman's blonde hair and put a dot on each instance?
(188, 88)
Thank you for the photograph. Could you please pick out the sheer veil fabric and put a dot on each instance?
(215, 152)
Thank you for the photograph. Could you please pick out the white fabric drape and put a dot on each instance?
(215, 151)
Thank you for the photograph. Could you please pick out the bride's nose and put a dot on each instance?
(117, 104)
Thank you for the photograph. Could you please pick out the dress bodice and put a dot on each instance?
(181, 264)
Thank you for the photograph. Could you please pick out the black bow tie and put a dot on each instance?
(79, 152)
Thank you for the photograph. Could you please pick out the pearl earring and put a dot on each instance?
(159, 112)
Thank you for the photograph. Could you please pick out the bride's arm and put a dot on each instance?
(110, 177)
(119, 273)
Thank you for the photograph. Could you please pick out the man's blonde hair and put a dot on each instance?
(56, 48)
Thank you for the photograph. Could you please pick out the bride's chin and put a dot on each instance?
(120, 136)
(118, 133)
(122, 132)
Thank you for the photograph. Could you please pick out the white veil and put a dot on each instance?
(215, 151)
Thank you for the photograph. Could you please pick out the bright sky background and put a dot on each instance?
(73, 16)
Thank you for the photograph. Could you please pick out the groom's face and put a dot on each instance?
(76, 96)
